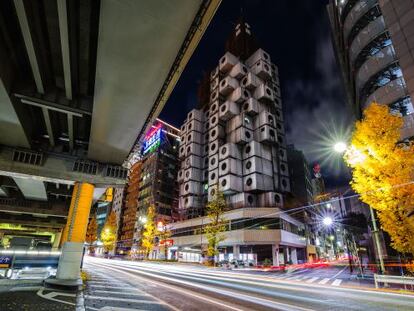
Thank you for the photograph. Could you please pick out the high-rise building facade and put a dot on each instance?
(235, 142)
(374, 44)
(152, 181)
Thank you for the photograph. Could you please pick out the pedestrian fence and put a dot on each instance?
(393, 279)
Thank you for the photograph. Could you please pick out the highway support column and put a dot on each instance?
(73, 236)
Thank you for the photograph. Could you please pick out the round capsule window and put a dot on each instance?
(279, 126)
(187, 187)
(213, 176)
(245, 93)
(223, 166)
(223, 60)
(266, 67)
(213, 192)
(186, 201)
(248, 165)
(248, 135)
(190, 126)
(244, 81)
(213, 161)
(223, 150)
(187, 174)
(268, 92)
(213, 147)
(283, 167)
(223, 83)
(248, 149)
(272, 133)
(223, 108)
(213, 133)
(188, 150)
(284, 183)
(244, 69)
(249, 181)
(223, 183)
(280, 139)
(277, 198)
(250, 199)
(246, 106)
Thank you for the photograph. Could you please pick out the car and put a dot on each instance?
(237, 263)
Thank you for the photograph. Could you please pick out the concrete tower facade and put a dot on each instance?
(236, 140)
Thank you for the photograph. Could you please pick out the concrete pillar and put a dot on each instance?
(236, 251)
(294, 255)
(73, 236)
(275, 254)
(286, 254)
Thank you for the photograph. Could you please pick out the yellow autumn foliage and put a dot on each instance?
(383, 173)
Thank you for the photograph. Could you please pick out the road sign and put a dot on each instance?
(5, 261)
(169, 242)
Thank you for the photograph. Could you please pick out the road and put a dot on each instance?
(167, 286)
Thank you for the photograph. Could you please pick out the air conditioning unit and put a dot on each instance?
(257, 56)
(251, 81)
(230, 166)
(238, 71)
(262, 70)
(229, 150)
(228, 85)
(216, 132)
(251, 149)
(265, 118)
(241, 200)
(192, 174)
(230, 184)
(228, 110)
(214, 73)
(193, 161)
(180, 176)
(239, 95)
(214, 146)
(213, 120)
(194, 149)
(257, 182)
(252, 107)
(195, 125)
(241, 135)
(213, 162)
(194, 137)
(195, 114)
(213, 177)
(265, 134)
(252, 165)
(264, 94)
(241, 120)
(285, 184)
(270, 199)
(283, 168)
(192, 187)
(227, 62)
(214, 107)
(214, 83)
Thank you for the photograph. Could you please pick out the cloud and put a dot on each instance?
(316, 110)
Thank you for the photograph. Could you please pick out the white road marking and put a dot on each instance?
(336, 282)
(312, 279)
(114, 287)
(152, 302)
(25, 288)
(324, 281)
(51, 295)
(138, 293)
(342, 270)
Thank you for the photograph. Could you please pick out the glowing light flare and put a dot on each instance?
(340, 147)
(354, 156)
(327, 221)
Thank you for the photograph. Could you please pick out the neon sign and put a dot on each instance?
(152, 139)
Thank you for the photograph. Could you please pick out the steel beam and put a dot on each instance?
(49, 128)
(70, 131)
(64, 44)
(24, 26)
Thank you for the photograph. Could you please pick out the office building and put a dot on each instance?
(235, 142)
(374, 43)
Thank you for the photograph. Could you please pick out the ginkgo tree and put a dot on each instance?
(109, 232)
(383, 173)
(150, 231)
(92, 233)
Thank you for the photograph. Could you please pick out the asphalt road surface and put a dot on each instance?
(157, 286)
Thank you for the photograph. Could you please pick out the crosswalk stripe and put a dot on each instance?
(312, 279)
(324, 281)
(114, 287)
(138, 293)
(123, 299)
(337, 282)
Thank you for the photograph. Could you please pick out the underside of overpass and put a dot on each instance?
(80, 81)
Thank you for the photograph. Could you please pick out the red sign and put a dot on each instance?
(169, 242)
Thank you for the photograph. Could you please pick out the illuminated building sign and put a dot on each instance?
(152, 140)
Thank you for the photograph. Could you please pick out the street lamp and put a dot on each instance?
(327, 221)
(340, 147)
(356, 156)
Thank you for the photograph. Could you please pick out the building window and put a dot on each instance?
(402, 106)
(376, 45)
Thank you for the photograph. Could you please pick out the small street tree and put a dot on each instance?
(92, 234)
(109, 231)
(214, 230)
(383, 171)
(149, 232)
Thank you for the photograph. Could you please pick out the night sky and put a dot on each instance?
(297, 35)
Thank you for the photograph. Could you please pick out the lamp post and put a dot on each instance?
(341, 147)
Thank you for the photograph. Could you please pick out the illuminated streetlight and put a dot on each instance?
(327, 221)
(340, 147)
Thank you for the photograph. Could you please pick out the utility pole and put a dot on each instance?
(377, 241)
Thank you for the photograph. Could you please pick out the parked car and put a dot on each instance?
(237, 263)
